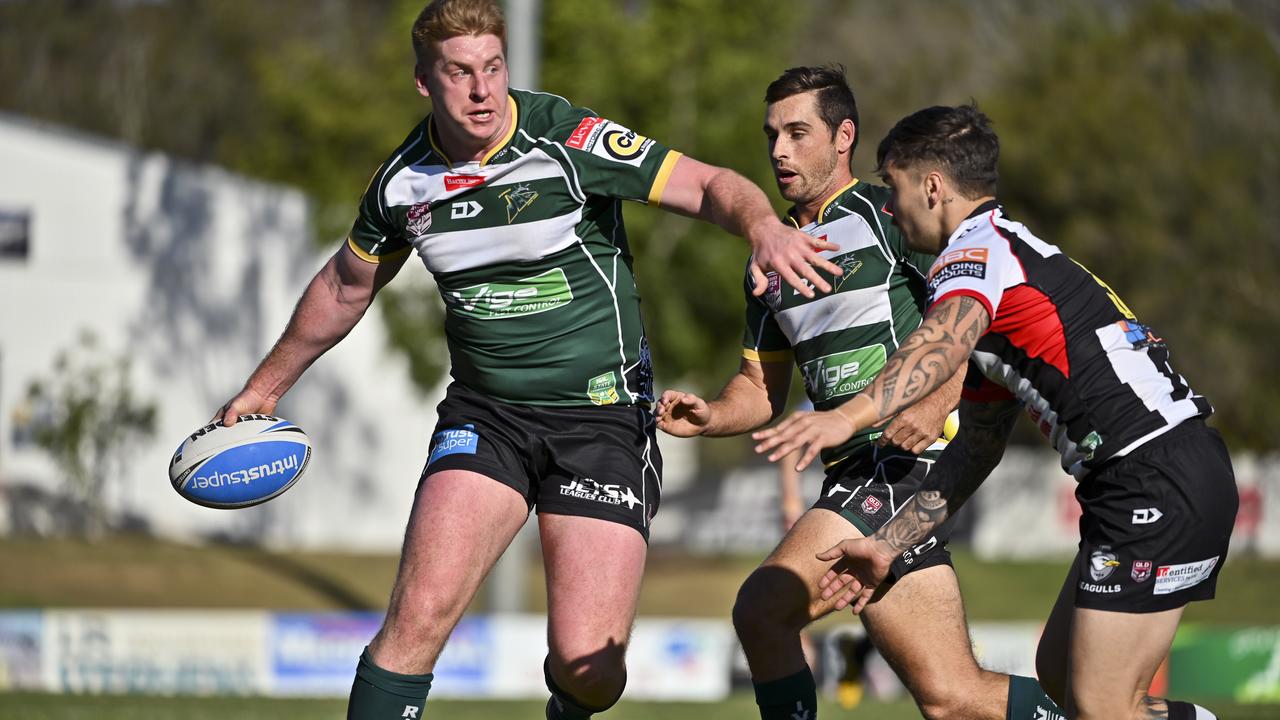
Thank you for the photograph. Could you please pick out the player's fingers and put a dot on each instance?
(819, 263)
(921, 445)
(810, 273)
(819, 245)
(810, 452)
(863, 598)
(793, 279)
(759, 281)
(835, 552)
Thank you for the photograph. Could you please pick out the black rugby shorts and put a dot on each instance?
(1156, 523)
(599, 462)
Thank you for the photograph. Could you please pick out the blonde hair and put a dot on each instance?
(444, 19)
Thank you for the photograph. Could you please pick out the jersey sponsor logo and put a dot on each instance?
(1139, 335)
(465, 210)
(495, 301)
(871, 505)
(602, 389)
(1141, 570)
(1146, 516)
(461, 182)
(586, 488)
(843, 373)
(518, 198)
(1102, 562)
(454, 441)
(418, 219)
(1043, 713)
(1172, 578)
(410, 711)
(611, 141)
(1095, 588)
(965, 262)
(584, 133)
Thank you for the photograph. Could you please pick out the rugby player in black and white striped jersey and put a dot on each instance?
(1042, 334)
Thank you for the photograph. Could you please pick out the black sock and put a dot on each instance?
(794, 697)
(378, 694)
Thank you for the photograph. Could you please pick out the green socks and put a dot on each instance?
(1027, 701)
(794, 697)
(379, 694)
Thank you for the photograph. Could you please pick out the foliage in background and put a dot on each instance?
(1144, 137)
(86, 416)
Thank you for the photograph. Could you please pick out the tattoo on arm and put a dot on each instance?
(964, 465)
(931, 355)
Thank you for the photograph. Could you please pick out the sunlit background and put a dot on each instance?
(172, 173)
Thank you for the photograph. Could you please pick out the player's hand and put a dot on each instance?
(792, 254)
(248, 402)
(860, 568)
(917, 427)
(808, 432)
(682, 414)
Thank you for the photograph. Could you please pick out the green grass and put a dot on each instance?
(738, 707)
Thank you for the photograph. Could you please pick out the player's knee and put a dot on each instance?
(593, 682)
(766, 606)
(945, 699)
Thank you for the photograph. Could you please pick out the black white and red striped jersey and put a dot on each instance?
(1096, 381)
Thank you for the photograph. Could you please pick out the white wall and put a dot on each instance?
(193, 272)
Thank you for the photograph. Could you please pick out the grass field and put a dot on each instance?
(739, 707)
(144, 572)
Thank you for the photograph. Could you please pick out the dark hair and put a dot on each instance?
(835, 100)
(957, 140)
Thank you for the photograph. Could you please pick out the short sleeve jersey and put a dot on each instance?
(1096, 381)
(841, 340)
(528, 251)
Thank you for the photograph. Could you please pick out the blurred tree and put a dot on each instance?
(1142, 137)
(88, 419)
(1148, 147)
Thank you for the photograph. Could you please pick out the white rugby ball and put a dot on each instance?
(248, 463)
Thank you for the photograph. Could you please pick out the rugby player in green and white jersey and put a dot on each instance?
(512, 200)
(840, 341)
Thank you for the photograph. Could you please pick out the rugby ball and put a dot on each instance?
(248, 463)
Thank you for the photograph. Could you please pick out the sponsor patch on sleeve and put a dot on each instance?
(965, 262)
(609, 140)
(453, 441)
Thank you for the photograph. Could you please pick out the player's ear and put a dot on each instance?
(934, 188)
(420, 79)
(845, 135)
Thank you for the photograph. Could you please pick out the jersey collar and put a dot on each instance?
(822, 211)
(511, 131)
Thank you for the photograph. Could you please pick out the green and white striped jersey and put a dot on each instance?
(528, 250)
(841, 340)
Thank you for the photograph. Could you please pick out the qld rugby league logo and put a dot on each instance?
(418, 219)
(773, 293)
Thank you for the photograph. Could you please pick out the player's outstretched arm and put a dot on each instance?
(920, 425)
(863, 563)
(724, 197)
(330, 307)
(929, 357)
(751, 398)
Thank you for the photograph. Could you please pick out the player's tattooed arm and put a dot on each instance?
(927, 359)
(963, 466)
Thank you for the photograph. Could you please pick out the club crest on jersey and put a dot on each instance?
(871, 505)
(1102, 563)
(850, 265)
(518, 198)
(418, 219)
(1141, 570)
(773, 292)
